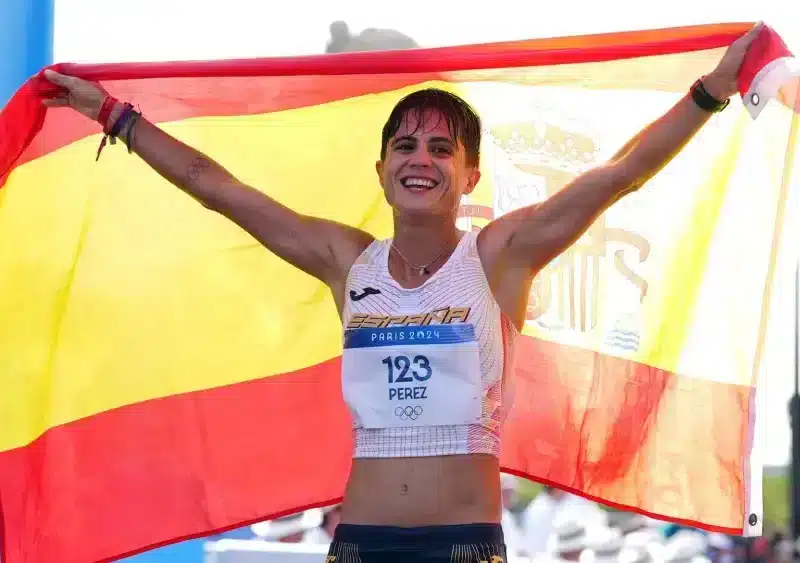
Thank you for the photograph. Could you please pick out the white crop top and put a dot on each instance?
(425, 371)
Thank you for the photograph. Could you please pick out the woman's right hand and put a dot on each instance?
(81, 95)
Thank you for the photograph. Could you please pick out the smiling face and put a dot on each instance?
(430, 155)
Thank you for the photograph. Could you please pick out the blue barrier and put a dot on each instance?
(26, 42)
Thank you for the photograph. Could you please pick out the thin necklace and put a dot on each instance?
(421, 270)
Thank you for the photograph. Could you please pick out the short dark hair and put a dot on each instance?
(462, 120)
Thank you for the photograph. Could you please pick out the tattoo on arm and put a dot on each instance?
(198, 166)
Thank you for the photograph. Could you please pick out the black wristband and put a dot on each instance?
(706, 101)
(122, 120)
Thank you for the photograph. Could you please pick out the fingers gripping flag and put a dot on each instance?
(164, 377)
(769, 71)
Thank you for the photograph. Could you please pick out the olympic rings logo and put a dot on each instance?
(408, 413)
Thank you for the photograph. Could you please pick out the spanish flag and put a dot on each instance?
(162, 376)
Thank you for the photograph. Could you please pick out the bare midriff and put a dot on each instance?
(423, 491)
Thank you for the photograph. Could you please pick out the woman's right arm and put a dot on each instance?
(321, 248)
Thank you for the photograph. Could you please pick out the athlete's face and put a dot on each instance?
(425, 168)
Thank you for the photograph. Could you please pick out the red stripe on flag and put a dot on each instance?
(189, 465)
(766, 47)
(580, 419)
(168, 469)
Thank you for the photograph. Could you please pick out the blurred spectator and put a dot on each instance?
(340, 37)
(720, 548)
(551, 508)
(603, 546)
(686, 546)
(647, 542)
(323, 534)
(568, 541)
(783, 548)
(759, 549)
(371, 39)
(626, 522)
(288, 529)
(511, 530)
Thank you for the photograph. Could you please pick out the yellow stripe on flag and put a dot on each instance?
(688, 260)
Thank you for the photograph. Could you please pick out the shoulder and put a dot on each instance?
(369, 251)
(494, 239)
(348, 246)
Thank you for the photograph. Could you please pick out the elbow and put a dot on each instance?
(626, 176)
(214, 195)
(203, 201)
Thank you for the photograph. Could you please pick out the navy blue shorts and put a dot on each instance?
(464, 543)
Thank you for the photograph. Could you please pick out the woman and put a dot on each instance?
(430, 316)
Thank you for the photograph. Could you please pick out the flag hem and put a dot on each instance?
(24, 115)
(768, 81)
(526, 53)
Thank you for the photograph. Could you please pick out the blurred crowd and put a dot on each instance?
(342, 40)
(560, 527)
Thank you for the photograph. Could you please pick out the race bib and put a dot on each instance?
(412, 376)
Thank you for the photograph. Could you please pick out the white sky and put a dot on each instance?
(158, 30)
(94, 30)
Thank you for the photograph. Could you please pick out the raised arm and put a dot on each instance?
(535, 235)
(321, 248)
